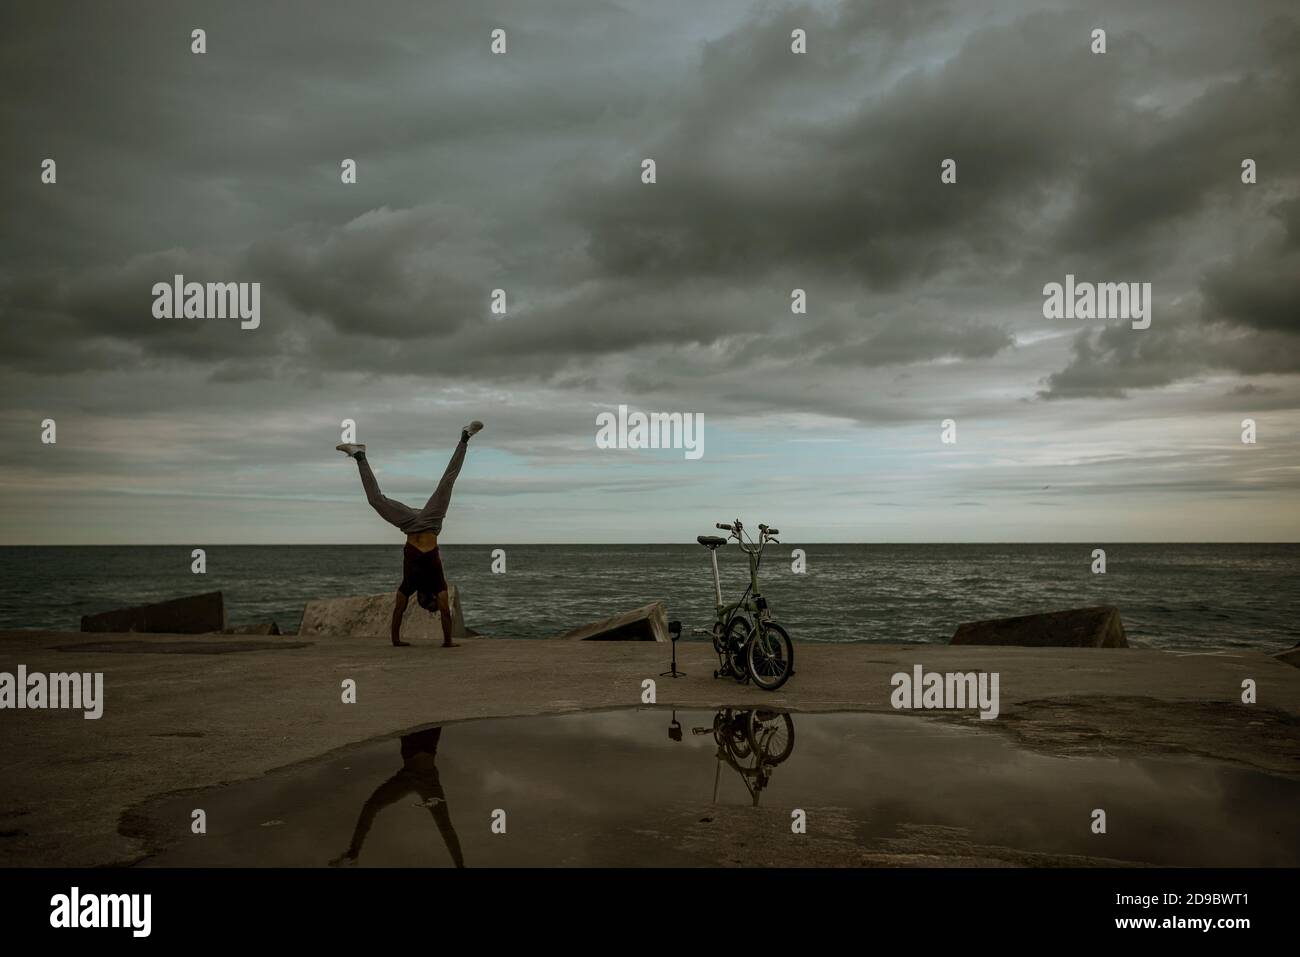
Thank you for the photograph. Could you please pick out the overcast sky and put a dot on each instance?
(774, 171)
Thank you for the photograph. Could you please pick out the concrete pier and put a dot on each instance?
(174, 721)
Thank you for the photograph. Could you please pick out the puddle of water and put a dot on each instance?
(622, 788)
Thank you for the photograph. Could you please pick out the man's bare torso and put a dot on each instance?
(424, 541)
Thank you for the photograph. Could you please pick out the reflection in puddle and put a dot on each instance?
(752, 743)
(612, 789)
(419, 776)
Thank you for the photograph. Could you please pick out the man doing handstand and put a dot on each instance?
(421, 564)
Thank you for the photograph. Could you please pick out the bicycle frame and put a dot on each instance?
(752, 600)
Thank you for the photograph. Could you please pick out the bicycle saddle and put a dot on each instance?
(710, 541)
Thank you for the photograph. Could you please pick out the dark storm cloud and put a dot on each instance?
(1114, 361)
(391, 275)
(1259, 289)
(901, 343)
(1248, 323)
(388, 274)
(753, 175)
(102, 318)
(158, 147)
(775, 171)
(1109, 363)
(1157, 165)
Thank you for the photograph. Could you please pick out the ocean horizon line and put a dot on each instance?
(624, 544)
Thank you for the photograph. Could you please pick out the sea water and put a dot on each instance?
(1170, 595)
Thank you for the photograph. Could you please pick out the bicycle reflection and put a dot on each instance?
(751, 742)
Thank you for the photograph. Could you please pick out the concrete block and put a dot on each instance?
(647, 623)
(371, 616)
(1098, 627)
(1289, 657)
(191, 615)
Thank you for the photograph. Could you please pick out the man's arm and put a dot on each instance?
(399, 609)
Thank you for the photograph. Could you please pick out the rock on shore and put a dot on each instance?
(371, 616)
(1098, 627)
(647, 623)
(192, 615)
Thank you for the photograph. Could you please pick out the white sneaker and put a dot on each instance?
(472, 429)
(350, 448)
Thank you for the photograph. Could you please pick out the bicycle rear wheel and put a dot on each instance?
(736, 641)
(769, 656)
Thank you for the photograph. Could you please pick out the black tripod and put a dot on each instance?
(674, 632)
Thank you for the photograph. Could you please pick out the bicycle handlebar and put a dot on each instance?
(754, 547)
(736, 527)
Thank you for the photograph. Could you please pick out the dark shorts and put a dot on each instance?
(422, 573)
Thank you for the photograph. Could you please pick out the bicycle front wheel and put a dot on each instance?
(771, 734)
(770, 656)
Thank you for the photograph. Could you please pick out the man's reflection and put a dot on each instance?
(419, 775)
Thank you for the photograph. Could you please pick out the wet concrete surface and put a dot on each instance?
(197, 646)
(696, 788)
(77, 792)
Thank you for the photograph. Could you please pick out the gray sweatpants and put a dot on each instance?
(427, 519)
